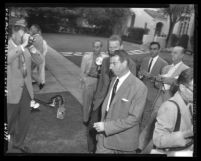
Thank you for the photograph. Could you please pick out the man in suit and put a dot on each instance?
(151, 66)
(19, 86)
(118, 130)
(169, 75)
(89, 76)
(114, 43)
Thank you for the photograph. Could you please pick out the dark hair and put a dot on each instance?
(115, 38)
(37, 27)
(155, 43)
(123, 55)
(185, 78)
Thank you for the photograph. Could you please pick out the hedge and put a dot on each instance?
(183, 41)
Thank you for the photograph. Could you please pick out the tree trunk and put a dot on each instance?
(172, 24)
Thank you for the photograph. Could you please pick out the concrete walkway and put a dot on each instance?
(61, 75)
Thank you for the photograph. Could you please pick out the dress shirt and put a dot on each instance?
(153, 62)
(121, 80)
(172, 69)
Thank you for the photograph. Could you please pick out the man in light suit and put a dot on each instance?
(114, 43)
(19, 86)
(121, 110)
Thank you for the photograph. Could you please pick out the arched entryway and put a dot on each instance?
(158, 29)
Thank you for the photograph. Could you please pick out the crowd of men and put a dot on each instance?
(121, 105)
(126, 111)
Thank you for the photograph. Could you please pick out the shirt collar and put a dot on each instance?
(155, 58)
(176, 65)
(122, 78)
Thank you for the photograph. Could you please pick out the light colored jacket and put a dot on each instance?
(163, 135)
(124, 115)
(15, 80)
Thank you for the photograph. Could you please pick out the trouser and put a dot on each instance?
(103, 150)
(91, 132)
(87, 95)
(19, 119)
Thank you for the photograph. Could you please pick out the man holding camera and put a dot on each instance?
(19, 85)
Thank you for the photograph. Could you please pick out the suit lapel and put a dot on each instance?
(104, 106)
(156, 66)
(122, 89)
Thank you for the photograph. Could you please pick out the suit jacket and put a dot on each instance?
(104, 81)
(156, 70)
(86, 66)
(15, 80)
(123, 118)
(166, 119)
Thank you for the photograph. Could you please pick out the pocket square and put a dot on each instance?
(125, 100)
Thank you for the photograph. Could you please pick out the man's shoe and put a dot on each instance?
(34, 106)
(41, 85)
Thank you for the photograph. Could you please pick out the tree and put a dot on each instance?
(176, 13)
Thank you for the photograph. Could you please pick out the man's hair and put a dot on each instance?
(115, 38)
(101, 43)
(123, 55)
(155, 43)
(37, 27)
(185, 78)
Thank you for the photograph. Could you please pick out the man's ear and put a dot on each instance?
(181, 87)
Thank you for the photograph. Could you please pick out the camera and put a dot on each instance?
(30, 41)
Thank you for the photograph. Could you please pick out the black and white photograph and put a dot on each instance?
(115, 80)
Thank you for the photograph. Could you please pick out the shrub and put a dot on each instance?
(135, 35)
(183, 41)
(173, 40)
(192, 42)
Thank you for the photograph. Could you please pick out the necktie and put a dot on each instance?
(150, 65)
(113, 94)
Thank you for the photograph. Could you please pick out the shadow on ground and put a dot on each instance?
(48, 134)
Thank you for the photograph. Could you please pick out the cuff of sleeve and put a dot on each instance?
(22, 48)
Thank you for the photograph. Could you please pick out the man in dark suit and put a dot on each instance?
(114, 43)
(118, 130)
(151, 66)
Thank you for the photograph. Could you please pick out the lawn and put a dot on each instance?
(82, 43)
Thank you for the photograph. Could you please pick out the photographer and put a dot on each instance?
(19, 86)
(37, 45)
(173, 131)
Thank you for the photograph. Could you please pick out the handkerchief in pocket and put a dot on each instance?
(125, 100)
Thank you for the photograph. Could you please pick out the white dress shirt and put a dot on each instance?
(121, 80)
(172, 69)
(153, 62)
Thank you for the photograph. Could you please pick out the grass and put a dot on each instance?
(47, 134)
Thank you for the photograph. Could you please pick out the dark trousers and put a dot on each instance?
(91, 132)
(19, 119)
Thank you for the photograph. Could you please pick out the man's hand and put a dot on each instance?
(169, 80)
(145, 73)
(182, 138)
(25, 40)
(99, 126)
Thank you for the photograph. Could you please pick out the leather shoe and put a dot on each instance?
(41, 85)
